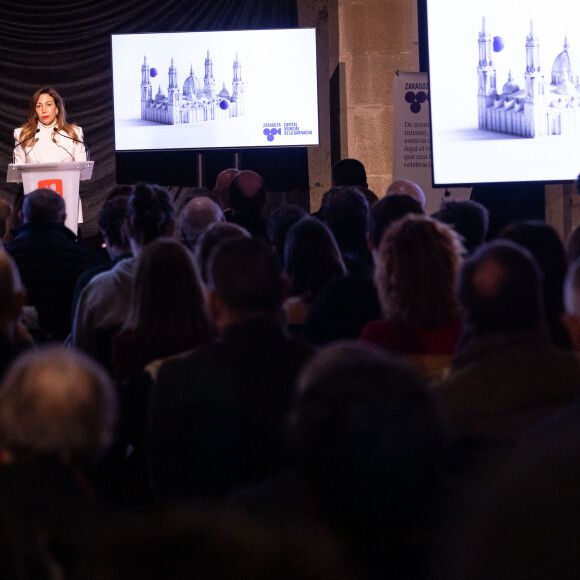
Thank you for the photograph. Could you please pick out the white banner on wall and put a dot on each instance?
(412, 139)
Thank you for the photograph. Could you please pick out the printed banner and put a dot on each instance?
(412, 139)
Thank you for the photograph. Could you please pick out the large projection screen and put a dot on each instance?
(205, 90)
(504, 90)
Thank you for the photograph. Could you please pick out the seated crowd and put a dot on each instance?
(360, 393)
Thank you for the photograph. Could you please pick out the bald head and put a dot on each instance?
(406, 187)
(196, 216)
(56, 402)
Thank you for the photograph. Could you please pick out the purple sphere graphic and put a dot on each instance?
(498, 44)
(153, 72)
(409, 96)
(421, 96)
(224, 104)
(415, 107)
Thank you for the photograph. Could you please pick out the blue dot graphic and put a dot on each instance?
(153, 72)
(270, 137)
(498, 44)
(224, 105)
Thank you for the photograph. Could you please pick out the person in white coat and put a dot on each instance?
(46, 136)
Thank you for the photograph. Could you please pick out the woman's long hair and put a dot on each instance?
(311, 257)
(168, 311)
(416, 272)
(29, 128)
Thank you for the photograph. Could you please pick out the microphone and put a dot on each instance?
(74, 140)
(20, 143)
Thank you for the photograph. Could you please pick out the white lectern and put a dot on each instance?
(63, 178)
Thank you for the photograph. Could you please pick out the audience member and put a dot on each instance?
(546, 247)
(186, 194)
(349, 172)
(345, 211)
(246, 197)
(57, 413)
(352, 172)
(210, 239)
(373, 450)
(195, 217)
(167, 311)
(217, 414)
(49, 260)
(104, 303)
(111, 223)
(406, 187)
(508, 375)
(278, 224)
(14, 338)
(468, 218)
(311, 260)
(417, 265)
(222, 183)
(387, 211)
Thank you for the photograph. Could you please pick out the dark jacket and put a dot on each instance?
(49, 261)
(218, 413)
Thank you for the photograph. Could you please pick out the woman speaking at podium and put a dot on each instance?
(46, 137)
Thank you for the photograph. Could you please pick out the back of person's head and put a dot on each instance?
(246, 277)
(279, 222)
(387, 211)
(468, 218)
(195, 217)
(500, 290)
(407, 187)
(222, 184)
(56, 403)
(247, 193)
(345, 211)
(545, 245)
(43, 206)
(185, 195)
(168, 304)
(112, 221)
(369, 437)
(417, 265)
(311, 257)
(6, 212)
(349, 172)
(150, 213)
(214, 235)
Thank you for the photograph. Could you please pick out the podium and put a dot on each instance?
(64, 178)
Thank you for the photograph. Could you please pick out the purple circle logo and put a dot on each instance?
(416, 99)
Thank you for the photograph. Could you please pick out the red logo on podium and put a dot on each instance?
(54, 184)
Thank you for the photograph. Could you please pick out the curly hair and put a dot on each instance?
(416, 272)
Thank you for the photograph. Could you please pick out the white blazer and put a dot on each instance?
(50, 147)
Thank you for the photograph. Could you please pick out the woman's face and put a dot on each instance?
(46, 109)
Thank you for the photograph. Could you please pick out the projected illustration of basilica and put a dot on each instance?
(196, 102)
(540, 107)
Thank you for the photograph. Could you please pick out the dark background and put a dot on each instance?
(67, 45)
